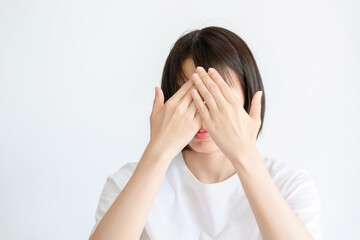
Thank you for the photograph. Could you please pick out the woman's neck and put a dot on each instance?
(209, 167)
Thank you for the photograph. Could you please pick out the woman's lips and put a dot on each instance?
(202, 135)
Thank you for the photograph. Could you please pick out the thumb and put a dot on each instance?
(158, 100)
(255, 110)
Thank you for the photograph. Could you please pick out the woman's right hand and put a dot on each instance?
(176, 122)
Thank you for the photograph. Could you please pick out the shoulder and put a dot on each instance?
(287, 176)
(300, 191)
(121, 176)
(296, 185)
(114, 184)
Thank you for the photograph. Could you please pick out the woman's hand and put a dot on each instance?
(232, 129)
(176, 122)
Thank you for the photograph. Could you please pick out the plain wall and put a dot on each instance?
(77, 85)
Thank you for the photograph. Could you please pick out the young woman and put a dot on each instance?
(201, 175)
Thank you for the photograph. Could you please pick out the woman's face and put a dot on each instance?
(207, 145)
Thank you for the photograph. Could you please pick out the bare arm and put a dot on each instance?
(127, 216)
(173, 125)
(237, 140)
(273, 214)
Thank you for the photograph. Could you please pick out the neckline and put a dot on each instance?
(227, 185)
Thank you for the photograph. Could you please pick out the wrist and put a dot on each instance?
(158, 151)
(244, 158)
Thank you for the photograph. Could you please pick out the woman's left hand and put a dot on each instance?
(232, 129)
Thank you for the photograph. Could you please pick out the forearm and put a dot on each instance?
(273, 214)
(127, 216)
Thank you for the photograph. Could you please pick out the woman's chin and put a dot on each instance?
(203, 145)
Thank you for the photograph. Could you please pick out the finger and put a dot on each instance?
(223, 86)
(158, 100)
(187, 99)
(212, 87)
(192, 109)
(203, 110)
(181, 92)
(255, 110)
(205, 93)
(198, 119)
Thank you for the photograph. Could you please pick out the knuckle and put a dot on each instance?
(223, 85)
(168, 105)
(169, 102)
(233, 96)
(207, 95)
(237, 105)
(178, 109)
(213, 87)
(227, 113)
(193, 78)
(189, 117)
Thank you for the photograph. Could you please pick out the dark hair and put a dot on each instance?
(219, 48)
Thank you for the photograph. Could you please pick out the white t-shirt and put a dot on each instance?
(185, 208)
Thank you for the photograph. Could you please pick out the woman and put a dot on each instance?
(201, 175)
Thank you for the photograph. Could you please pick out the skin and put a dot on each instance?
(206, 161)
(236, 138)
(174, 125)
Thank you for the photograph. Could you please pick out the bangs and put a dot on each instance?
(209, 50)
(223, 70)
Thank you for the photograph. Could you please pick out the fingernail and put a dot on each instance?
(199, 69)
(211, 71)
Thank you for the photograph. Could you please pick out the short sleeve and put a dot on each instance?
(302, 195)
(111, 190)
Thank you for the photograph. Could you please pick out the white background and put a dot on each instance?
(77, 85)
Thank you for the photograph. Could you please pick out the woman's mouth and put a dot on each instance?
(202, 134)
